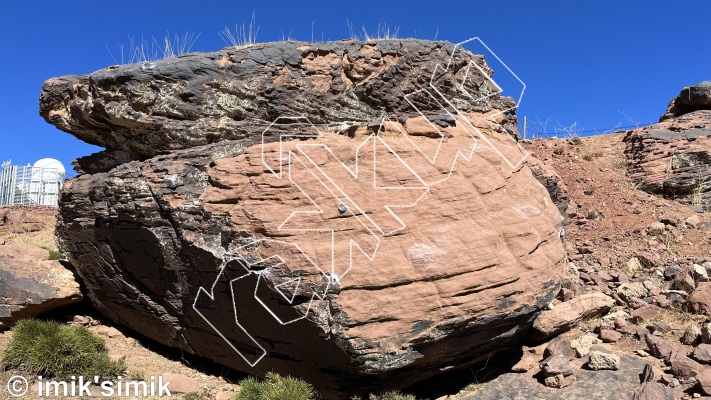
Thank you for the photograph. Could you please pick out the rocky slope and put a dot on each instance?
(355, 253)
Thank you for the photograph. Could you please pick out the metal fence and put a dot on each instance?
(30, 186)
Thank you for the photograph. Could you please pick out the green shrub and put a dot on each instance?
(54, 254)
(56, 350)
(393, 395)
(275, 387)
(192, 396)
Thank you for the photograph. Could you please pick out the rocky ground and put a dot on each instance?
(632, 316)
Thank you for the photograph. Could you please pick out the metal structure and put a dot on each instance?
(36, 185)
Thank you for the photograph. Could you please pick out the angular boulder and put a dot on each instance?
(254, 208)
(32, 284)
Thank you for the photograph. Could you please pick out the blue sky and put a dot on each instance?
(581, 61)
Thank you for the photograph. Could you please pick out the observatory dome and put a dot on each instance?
(50, 163)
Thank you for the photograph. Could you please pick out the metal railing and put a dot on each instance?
(30, 186)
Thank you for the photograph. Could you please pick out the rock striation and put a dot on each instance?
(253, 207)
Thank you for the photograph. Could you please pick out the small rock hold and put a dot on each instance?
(699, 273)
(655, 229)
(644, 313)
(658, 347)
(692, 335)
(609, 335)
(559, 345)
(559, 381)
(702, 353)
(583, 344)
(600, 360)
(524, 365)
(556, 365)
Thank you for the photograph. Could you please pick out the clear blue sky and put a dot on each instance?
(581, 61)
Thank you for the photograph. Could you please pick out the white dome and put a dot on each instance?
(50, 163)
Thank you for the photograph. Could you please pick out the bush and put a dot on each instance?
(55, 350)
(394, 395)
(54, 254)
(275, 387)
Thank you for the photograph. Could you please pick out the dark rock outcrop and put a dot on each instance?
(184, 231)
(691, 98)
(138, 111)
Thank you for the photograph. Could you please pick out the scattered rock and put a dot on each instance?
(653, 373)
(644, 313)
(632, 291)
(702, 353)
(569, 314)
(559, 381)
(683, 366)
(584, 343)
(684, 282)
(653, 391)
(655, 229)
(700, 301)
(180, 383)
(659, 328)
(658, 347)
(559, 346)
(556, 365)
(525, 364)
(693, 221)
(699, 273)
(706, 333)
(704, 378)
(632, 266)
(610, 335)
(692, 335)
(601, 360)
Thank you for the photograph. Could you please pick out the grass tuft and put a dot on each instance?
(243, 36)
(145, 51)
(55, 350)
(275, 387)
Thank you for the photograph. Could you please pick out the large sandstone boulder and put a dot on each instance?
(673, 158)
(355, 252)
(32, 284)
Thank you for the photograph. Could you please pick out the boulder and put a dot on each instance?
(673, 158)
(567, 315)
(700, 301)
(691, 98)
(32, 284)
(218, 223)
